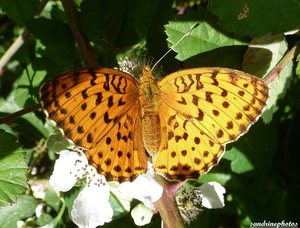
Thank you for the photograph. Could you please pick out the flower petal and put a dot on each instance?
(146, 189)
(212, 195)
(91, 208)
(39, 209)
(141, 214)
(68, 168)
(143, 188)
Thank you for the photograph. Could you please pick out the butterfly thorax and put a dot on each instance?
(149, 100)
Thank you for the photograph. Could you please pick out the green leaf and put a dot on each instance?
(44, 219)
(19, 10)
(25, 94)
(119, 210)
(230, 57)
(27, 87)
(123, 25)
(114, 29)
(221, 178)
(256, 17)
(58, 41)
(148, 16)
(24, 208)
(54, 10)
(261, 57)
(205, 37)
(57, 142)
(298, 66)
(13, 180)
(260, 194)
(148, 21)
(108, 19)
(254, 152)
(70, 197)
(52, 199)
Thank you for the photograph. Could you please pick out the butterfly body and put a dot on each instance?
(150, 102)
(184, 121)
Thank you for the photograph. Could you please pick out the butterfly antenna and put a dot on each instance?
(174, 45)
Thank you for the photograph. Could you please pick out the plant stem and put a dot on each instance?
(17, 44)
(167, 206)
(274, 73)
(85, 48)
(9, 118)
(11, 51)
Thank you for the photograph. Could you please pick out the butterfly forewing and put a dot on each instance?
(98, 110)
(208, 107)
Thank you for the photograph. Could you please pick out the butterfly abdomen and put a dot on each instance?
(151, 127)
(151, 130)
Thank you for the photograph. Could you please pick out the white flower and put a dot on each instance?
(91, 208)
(141, 214)
(191, 200)
(20, 224)
(68, 169)
(39, 209)
(39, 188)
(144, 188)
(212, 195)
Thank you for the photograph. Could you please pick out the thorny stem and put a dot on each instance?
(167, 206)
(9, 118)
(87, 52)
(274, 73)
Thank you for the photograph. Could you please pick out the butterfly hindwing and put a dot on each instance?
(120, 154)
(186, 151)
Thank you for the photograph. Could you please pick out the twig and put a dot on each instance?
(274, 73)
(11, 51)
(9, 118)
(85, 48)
(18, 42)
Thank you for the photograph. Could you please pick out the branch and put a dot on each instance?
(9, 118)
(274, 73)
(85, 48)
(18, 42)
(11, 51)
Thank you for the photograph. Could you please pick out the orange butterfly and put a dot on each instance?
(184, 121)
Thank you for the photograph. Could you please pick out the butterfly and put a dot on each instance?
(182, 122)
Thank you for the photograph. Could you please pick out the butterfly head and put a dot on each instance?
(146, 74)
(135, 66)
